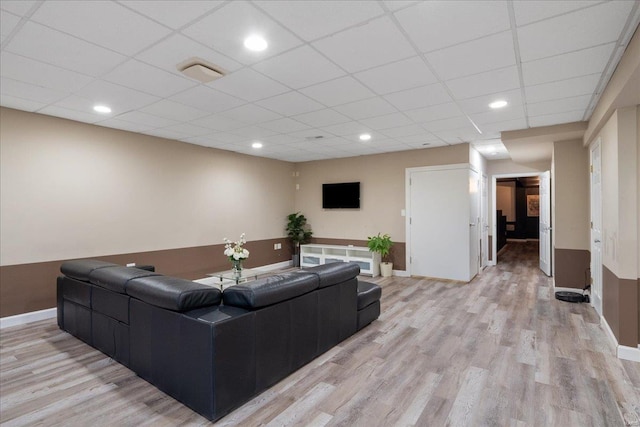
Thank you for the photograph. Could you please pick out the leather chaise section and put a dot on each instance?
(368, 293)
(116, 278)
(173, 293)
(270, 290)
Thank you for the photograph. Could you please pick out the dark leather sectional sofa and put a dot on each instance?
(210, 350)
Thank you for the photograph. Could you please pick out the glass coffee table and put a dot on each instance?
(232, 277)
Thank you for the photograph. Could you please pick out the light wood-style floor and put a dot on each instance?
(500, 351)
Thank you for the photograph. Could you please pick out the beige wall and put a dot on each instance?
(382, 191)
(72, 190)
(571, 184)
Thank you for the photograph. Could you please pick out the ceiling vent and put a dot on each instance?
(201, 70)
(312, 138)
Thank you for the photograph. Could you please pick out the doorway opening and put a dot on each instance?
(516, 212)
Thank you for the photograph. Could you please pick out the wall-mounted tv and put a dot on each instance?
(344, 195)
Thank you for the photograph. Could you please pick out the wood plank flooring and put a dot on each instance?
(500, 351)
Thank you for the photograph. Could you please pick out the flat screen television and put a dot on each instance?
(344, 195)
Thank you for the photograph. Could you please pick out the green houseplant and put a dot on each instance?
(299, 233)
(382, 244)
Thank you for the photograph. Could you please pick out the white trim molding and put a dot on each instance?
(622, 351)
(401, 273)
(24, 318)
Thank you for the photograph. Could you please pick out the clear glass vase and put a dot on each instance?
(236, 266)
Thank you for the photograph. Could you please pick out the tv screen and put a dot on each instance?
(345, 195)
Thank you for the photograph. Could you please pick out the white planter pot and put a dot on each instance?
(386, 268)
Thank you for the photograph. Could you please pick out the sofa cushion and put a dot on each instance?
(270, 290)
(116, 278)
(82, 268)
(173, 293)
(333, 273)
(368, 293)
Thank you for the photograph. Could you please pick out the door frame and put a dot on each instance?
(596, 300)
(494, 218)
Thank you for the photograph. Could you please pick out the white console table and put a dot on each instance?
(317, 254)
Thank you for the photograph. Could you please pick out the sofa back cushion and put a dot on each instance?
(116, 278)
(333, 273)
(82, 268)
(270, 290)
(173, 293)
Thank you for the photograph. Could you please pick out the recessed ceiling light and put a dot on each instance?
(255, 43)
(493, 153)
(498, 104)
(257, 144)
(101, 109)
(365, 137)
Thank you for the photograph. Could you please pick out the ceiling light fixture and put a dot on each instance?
(255, 43)
(257, 144)
(365, 137)
(101, 109)
(498, 104)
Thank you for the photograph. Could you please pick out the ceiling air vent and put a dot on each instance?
(312, 138)
(201, 70)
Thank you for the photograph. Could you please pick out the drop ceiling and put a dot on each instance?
(411, 74)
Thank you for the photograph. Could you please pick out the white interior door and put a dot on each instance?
(474, 223)
(484, 222)
(545, 223)
(438, 227)
(596, 227)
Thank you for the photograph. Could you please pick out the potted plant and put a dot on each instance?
(382, 244)
(299, 233)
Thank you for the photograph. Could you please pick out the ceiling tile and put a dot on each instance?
(249, 85)
(530, 11)
(370, 107)
(487, 53)
(226, 28)
(290, 103)
(177, 49)
(93, 21)
(387, 121)
(17, 7)
(173, 13)
(8, 21)
(419, 97)
(401, 75)
(189, 129)
(313, 19)
(207, 99)
(435, 112)
(503, 126)
(324, 117)
(338, 91)
(459, 122)
(484, 83)
(65, 113)
(219, 123)
(347, 128)
(313, 134)
(555, 119)
(299, 68)
(227, 138)
(398, 4)
(40, 74)
(252, 132)
(417, 139)
(574, 64)
(173, 110)
(436, 24)
(284, 125)
(559, 105)
(10, 101)
(481, 103)
(124, 125)
(563, 89)
(512, 112)
(578, 30)
(375, 43)
(165, 133)
(60, 49)
(28, 91)
(250, 113)
(146, 78)
(147, 120)
(119, 98)
(409, 130)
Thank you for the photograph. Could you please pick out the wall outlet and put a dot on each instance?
(277, 246)
(131, 264)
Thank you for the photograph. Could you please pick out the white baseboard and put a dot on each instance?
(24, 318)
(400, 273)
(561, 289)
(629, 353)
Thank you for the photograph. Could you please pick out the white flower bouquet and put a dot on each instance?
(234, 250)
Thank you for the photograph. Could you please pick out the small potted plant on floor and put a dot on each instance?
(299, 233)
(382, 245)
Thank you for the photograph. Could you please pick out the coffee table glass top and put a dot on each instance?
(238, 277)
